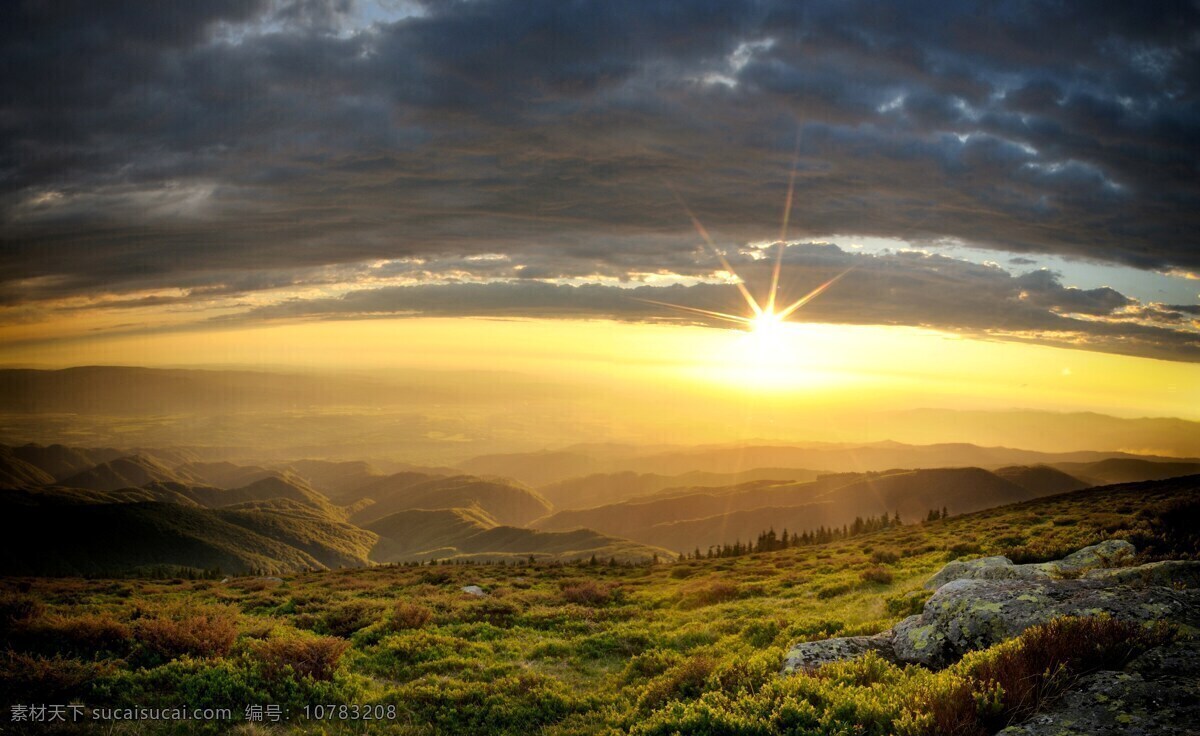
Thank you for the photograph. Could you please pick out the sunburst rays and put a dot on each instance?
(763, 314)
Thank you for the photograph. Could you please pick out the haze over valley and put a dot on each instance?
(220, 503)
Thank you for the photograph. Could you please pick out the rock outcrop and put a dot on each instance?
(816, 653)
(965, 615)
(1158, 693)
(1108, 554)
(979, 603)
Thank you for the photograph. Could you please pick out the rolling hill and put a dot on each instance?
(121, 538)
(223, 474)
(1041, 479)
(334, 478)
(1129, 470)
(167, 508)
(544, 468)
(124, 472)
(60, 461)
(504, 502)
(469, 534)
(605, 488)
(16, 473)
(684, 518)
(274, 486)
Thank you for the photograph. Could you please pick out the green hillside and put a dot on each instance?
(689, 647)
(681, 519)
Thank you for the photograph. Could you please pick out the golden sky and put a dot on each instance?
(797, 365)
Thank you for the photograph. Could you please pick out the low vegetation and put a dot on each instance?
(686, 647)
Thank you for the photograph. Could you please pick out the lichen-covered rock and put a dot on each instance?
(1185, 573)
(1158, 694)
(979, 603)
(965, 615)
(988, 568)
(1109, 553)
(812, 654)
(474, 590)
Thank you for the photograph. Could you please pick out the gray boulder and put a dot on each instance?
(979, 603)
(1107, 554)
(812, 654)
(1184, 573)
(985, 568)
(965, 615)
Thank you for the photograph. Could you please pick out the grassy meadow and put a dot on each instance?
(691, 647)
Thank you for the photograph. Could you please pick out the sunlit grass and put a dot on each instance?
(555, 650)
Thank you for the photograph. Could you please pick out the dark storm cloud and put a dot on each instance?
(906, 288)
(238, 146)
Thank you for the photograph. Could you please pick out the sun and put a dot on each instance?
(764, 319)
(767, 325)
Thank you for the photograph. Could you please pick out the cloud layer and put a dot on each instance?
(907, 288)
(234, 147)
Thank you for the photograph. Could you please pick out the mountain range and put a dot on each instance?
(101, 511)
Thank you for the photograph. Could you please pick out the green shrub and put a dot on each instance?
(691, 636)
(345, 619)
(833, 590)
(402, 653)
(685, 680)
(885, 556)
(907, 604)
(761, 633)
(649, 664)
(963, 549)
(616, 643)
(513, 704)
(1036, 552)
(496, 612)
(216, 683)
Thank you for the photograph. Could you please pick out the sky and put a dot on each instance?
(296, 182)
